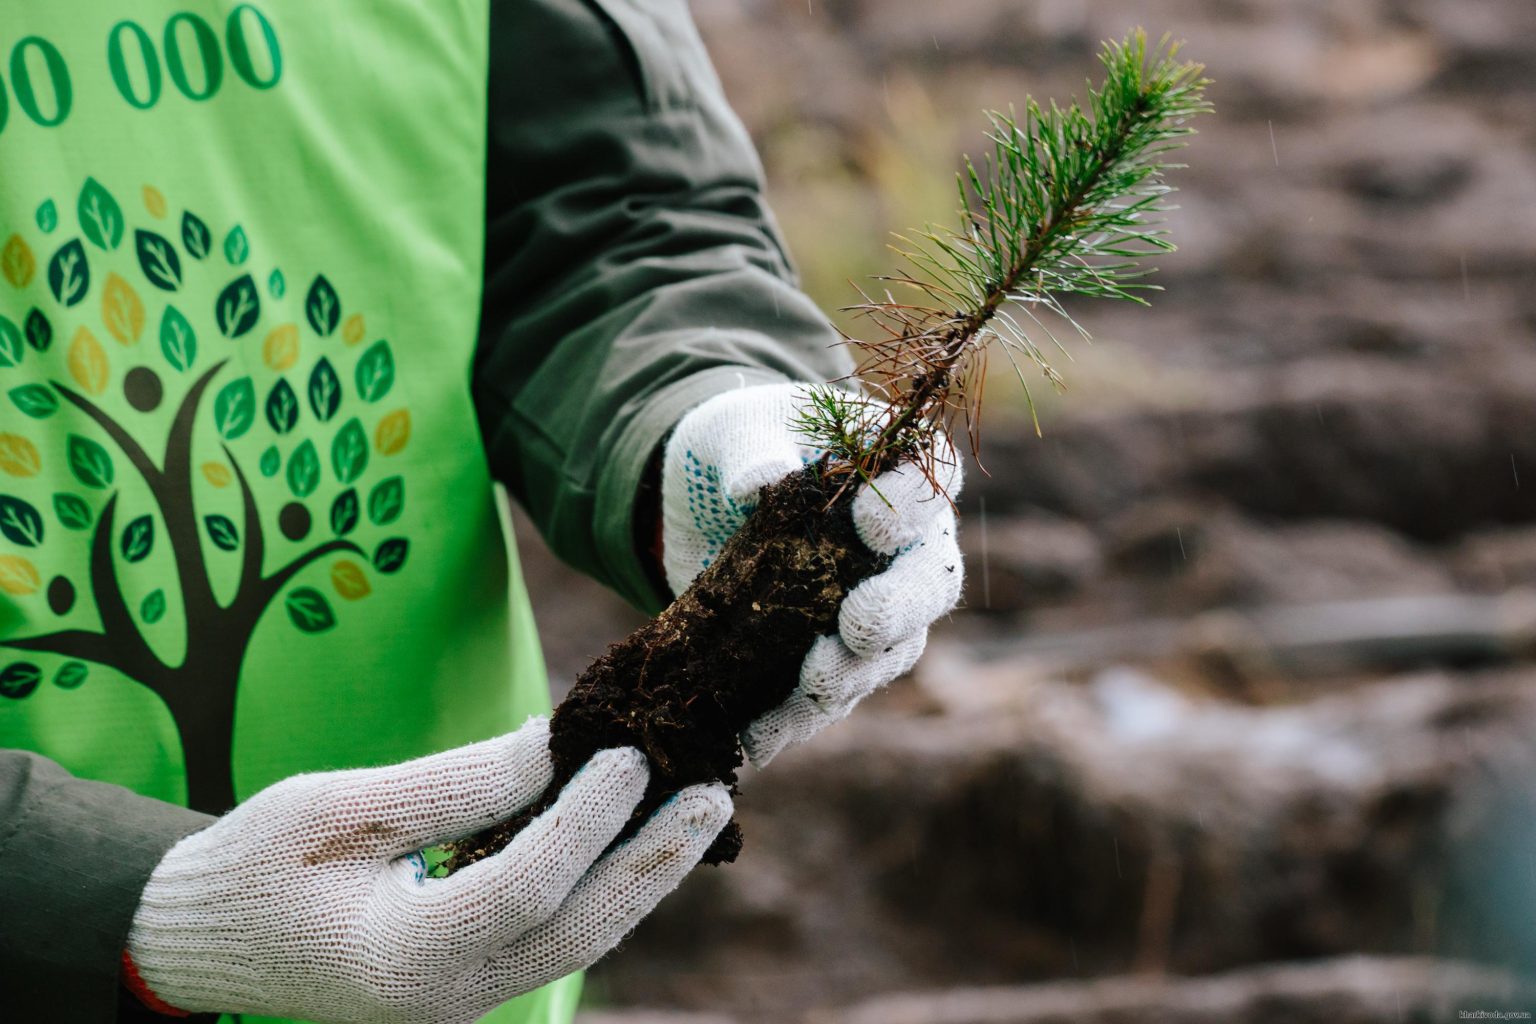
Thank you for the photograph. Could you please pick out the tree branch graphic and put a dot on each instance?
(215, 632)
(119, 643)
(199, 691)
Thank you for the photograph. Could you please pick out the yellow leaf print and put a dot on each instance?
(87, 362)
(350, 582)
(121, 310)
(18, 456)
(352, 331)
(217, 473)
(17, 262)
(392, 432)
(281, 349)
(18, 576)
(154, 202)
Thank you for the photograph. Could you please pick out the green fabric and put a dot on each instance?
(281, 252)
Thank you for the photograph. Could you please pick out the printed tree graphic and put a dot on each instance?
(203, 308)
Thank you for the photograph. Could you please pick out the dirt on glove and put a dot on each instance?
(684, 686)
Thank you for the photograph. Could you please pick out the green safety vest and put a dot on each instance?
(248, 528)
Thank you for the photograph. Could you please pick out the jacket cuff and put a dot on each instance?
(620, 481)
(75, 856)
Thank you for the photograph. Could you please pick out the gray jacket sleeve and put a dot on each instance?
(632, 266)
(74, 858)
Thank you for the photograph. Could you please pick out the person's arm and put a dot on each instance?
(633, 269)
(74, 857)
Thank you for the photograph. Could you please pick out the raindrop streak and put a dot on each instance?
(986, 574)
(1182, 553)
(1514, 469)
(1273, 148)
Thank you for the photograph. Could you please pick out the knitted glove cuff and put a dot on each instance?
(134, 983)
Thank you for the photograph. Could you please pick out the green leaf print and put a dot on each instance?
(19, 679)
(349, 451)
(89, 462)
(238, 307)
(375, 372)
(19, 522)
(48, 217)
(344, 512)
(324, 390)
(222, 531)
(70, 675)
(234, 410)
(309, 610)
(153, 608)
(69, 273)
(35, 400)
(271, 461)
(138, 539)
(73, 511)
(303, 470)
(323, 307)
(39, 330)
(177, 339)
(386, 501)
(390, 555)
(158, 260)
(100, 217)
(195, 236)
(236, 246)
(282, 407)
(12, 347)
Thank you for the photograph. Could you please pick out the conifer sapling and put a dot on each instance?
(1066, 203)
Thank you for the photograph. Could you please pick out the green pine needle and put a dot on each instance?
(1068, 202)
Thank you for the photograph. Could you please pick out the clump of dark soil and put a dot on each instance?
(683, 686)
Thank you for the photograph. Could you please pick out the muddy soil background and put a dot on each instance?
(1237, 721)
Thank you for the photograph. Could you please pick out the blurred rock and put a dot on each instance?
(1427, 178)
(1498, 560)
(1063, 832)
(1340, 440)
(1205, 559)
(643, 1016)
(1356, 990)
(1017, 563)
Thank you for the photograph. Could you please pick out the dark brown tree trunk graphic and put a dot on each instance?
(200, 692)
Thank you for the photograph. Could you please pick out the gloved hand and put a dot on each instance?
(719, 457)
(307, 900)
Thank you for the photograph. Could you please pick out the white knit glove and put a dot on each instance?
(717, 460)
(308, 900)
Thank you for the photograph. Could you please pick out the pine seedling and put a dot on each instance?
(1068, 202)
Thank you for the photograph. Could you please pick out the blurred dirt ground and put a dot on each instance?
(1246, 669)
